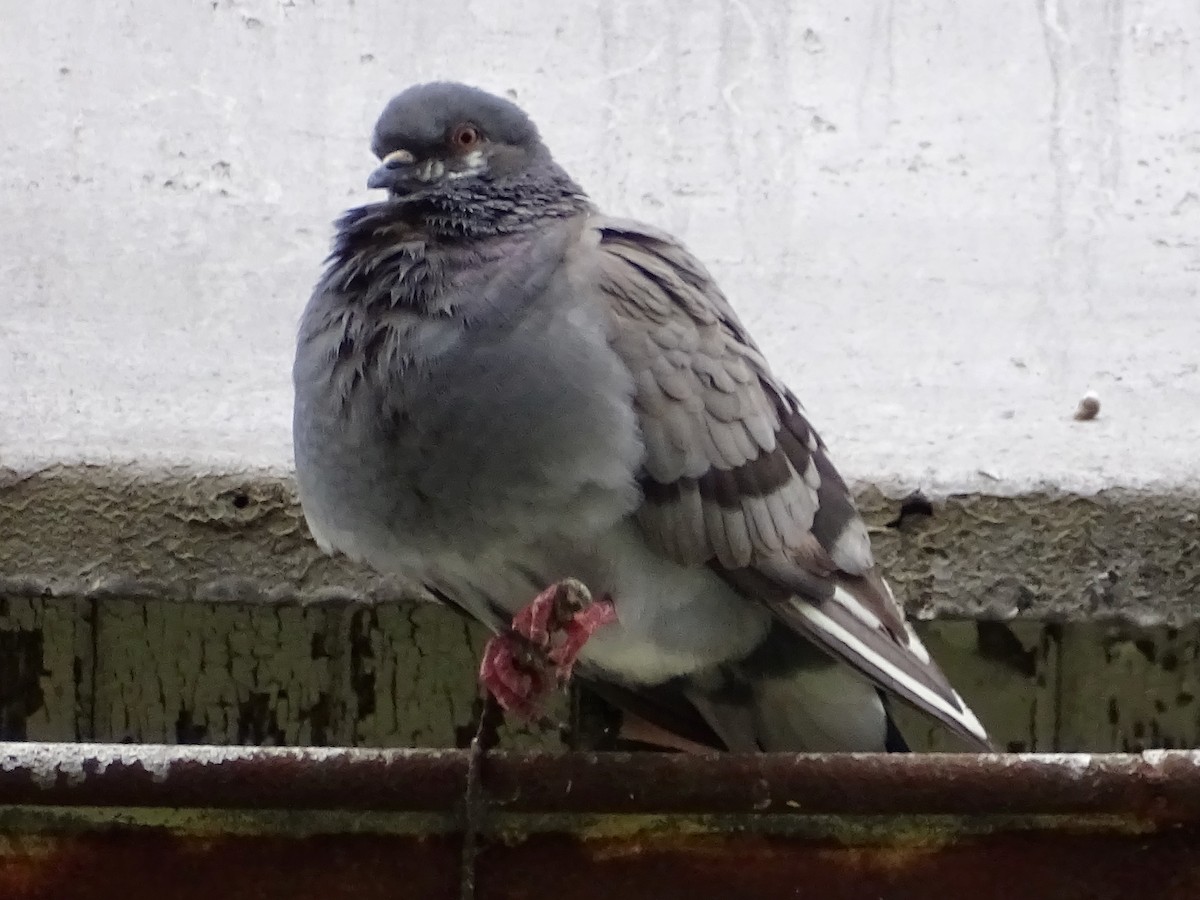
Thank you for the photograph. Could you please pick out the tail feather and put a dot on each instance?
(903, 669)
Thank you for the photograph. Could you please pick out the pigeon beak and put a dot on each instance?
(397, 168)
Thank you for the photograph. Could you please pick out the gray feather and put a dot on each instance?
(498, 387)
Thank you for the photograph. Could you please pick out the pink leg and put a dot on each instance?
(547, 637)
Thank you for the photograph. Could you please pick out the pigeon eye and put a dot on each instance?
(465, 137)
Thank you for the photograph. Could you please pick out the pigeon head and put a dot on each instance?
(440, 137)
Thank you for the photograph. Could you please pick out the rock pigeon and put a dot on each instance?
(504, 395)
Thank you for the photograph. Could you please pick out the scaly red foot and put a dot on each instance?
(538, 653)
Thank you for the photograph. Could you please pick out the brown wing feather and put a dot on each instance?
(736, 478)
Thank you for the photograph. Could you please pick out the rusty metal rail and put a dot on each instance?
(105, 821)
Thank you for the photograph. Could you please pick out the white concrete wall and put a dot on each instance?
(945, 221)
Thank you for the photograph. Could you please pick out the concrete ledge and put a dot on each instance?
(95, 532)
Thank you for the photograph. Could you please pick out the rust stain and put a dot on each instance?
(125, 864)
(997, 867)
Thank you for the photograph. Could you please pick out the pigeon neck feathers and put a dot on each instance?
(387, 256)
(484, 206)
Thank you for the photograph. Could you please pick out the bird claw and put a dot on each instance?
(545, 640)
(510, 677)
(575, 633)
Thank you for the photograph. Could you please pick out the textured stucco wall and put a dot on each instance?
(945, 222)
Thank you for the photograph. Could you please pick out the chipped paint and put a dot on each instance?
(404, 675)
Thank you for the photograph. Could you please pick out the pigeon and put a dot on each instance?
(553, 420)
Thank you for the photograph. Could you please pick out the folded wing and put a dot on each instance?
(735, 477)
